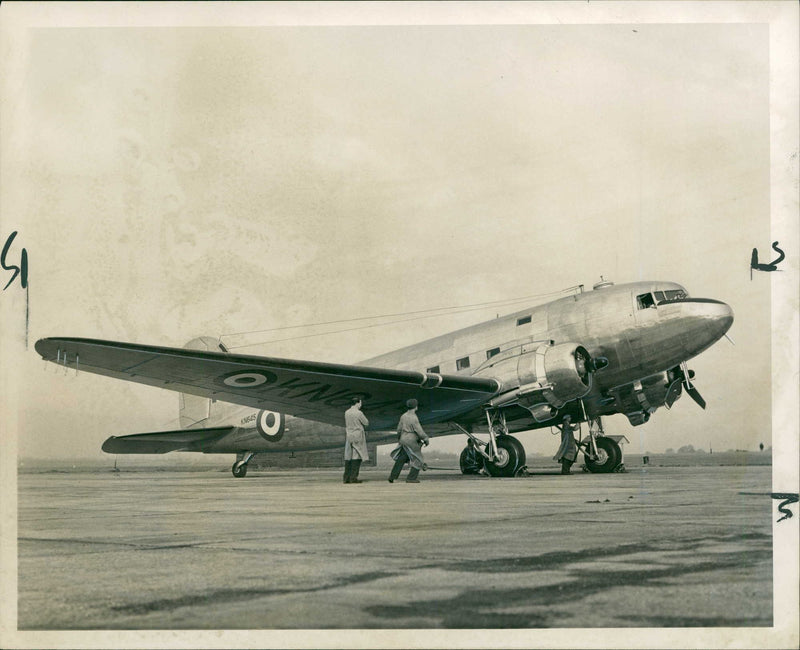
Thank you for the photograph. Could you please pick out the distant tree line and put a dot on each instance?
(689, 449)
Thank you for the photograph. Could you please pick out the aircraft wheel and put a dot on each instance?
(467, 462)
(511, 457)
(609, 456)
(239, 471)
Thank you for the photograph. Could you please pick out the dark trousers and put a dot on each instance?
(402, 459)
(351, 468)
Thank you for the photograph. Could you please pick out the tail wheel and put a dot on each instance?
(239, 469)
(510, 457)
(609, 456)
(468, 463)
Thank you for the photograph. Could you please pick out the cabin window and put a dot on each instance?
(523, 321)
(645, 301)
(659, 296)
(434, 369)
(492, 352)
(461, 364)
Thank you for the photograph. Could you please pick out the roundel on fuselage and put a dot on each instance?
(270, 425)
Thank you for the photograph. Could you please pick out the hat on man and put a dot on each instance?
(411, 404)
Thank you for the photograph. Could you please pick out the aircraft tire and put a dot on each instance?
(239, 471)
(512, 457)
(468, 467)
(609, 457)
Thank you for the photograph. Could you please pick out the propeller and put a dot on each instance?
(686, 376)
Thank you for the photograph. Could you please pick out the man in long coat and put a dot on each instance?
(411, 437)
(568, 451)
(355, 444)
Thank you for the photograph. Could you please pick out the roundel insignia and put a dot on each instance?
(249, 379)
(270, 425)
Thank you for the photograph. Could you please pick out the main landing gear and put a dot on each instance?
(239, 468)
(503, 455)
(509, 459)
(470, 460)
(600, 454)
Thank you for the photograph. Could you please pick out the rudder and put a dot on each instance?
(195, 410)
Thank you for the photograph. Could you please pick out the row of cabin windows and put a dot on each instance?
(463, 363)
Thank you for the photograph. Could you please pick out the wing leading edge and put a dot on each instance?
(307, 389)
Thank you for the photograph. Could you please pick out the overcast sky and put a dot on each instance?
(170, 182)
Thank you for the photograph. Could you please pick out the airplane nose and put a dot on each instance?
(720, 316)
(723, 318)
(708, 322)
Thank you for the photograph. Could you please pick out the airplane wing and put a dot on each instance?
(307, 389)
(163, 441)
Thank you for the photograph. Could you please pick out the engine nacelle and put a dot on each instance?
(559, 373)
(547, 376)
(641, 398)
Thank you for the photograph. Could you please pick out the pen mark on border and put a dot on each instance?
(787, 499)
(20, 272)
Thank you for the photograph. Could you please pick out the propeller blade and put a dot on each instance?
(696, 396)
(686, 375)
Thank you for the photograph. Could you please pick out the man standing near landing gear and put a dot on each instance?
(355, 444)
(411, 437)
(568, 451)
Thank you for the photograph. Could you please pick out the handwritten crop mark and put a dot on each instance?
(20, 271)
(772, 266)
(787, 499)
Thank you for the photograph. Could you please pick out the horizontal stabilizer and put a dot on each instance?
(162, 442)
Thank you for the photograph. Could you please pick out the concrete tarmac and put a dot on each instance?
(653, 547)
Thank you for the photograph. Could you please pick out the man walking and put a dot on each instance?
(355, 444)
(411, 437)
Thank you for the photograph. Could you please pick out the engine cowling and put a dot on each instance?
(546, 376)
(559, 373)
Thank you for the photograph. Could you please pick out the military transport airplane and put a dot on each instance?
(615, 349)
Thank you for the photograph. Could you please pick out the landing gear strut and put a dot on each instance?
(600, 454)
(502, 455)
(239, 468)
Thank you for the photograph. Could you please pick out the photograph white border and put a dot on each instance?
(17, 18)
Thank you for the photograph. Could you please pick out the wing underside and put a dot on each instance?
(307, 389)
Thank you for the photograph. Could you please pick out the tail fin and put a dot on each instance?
(194, 410)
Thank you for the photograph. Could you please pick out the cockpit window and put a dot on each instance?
(645, 301)
(672, 295)
(678, 294)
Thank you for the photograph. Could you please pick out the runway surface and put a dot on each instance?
(653, 547)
